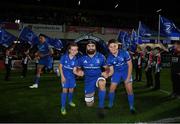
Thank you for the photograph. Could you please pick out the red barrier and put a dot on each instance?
(2, 66)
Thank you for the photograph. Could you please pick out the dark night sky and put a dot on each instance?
(128, 6)
(141, 9)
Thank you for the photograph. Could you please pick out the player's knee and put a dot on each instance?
(112, 90)
(39, 71)
(113, 87)
(129, 89)
(71, 90)
(102, 84)
(65, 90)
(89, 99)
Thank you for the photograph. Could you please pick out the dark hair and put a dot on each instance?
(91, 42)
(112, 41)
(42, 35)
(71, 45)
(148, 48)
(157, 48)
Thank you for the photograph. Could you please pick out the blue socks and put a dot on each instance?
(36, 80)
(131, 100)
(111, 98)
(63, 100)
(101, 95)
(70, 97)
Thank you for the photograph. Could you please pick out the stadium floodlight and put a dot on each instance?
(116, 5)
(17, 21)
(159, 10)
(79, 2)
(16, 41)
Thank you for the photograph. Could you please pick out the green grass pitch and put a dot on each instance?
(18, 103)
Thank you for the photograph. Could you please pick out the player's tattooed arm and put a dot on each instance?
(62, 75)
(129, 71)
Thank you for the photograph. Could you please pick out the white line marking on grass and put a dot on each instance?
(167, 120)
(164, 91)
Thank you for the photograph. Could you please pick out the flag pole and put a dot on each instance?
(138, 30)
(159, 29)
(131, 36)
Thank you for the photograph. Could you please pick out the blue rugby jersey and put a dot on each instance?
(119, 62)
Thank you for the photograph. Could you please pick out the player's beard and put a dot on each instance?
(91, 51)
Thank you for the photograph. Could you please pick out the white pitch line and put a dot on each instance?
(167, 120)
(164, 91)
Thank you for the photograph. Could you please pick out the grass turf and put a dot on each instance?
(18, 103)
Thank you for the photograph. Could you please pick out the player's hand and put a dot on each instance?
(105, 75)
(81, 73)
(78, 72)
(63, 80)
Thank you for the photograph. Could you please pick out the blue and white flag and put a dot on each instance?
(6, 38)
(134, 37)
(168, 28)
(55, 43)
(27, 35)
(125, 39)
(144, 31)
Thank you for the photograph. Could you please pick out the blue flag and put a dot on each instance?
(58, 44)
(140, 40)
(134, 41)
(168, 28)
(125, 39)
(121, 36)
(27, 35)
(134, 37)
(144, 31)
(55, 43)
(6, 38)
